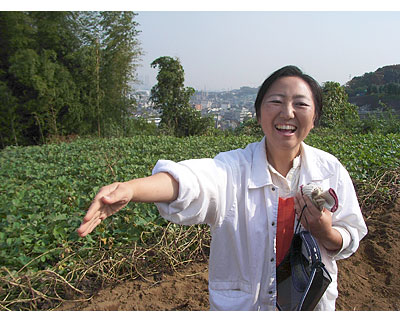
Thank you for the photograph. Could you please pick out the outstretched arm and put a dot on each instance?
(160, 187)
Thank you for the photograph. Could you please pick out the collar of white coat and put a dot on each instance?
(311, 162)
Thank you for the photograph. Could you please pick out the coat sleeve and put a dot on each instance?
(348, 219)
(205, 187)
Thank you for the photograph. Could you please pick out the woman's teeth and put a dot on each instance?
(286, 128)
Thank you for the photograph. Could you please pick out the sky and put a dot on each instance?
(227, 44)
(224, 50)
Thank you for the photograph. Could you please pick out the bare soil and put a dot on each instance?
(368, 280)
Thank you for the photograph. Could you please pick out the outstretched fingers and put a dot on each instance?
(108, 201)
(93, 224)
(93, 217)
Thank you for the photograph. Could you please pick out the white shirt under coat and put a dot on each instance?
(234, 194)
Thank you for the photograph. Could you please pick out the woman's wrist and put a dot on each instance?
(331, 239)
(160, 187)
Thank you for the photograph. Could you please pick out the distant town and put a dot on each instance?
(228, 108)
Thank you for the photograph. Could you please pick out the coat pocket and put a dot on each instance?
(231, 296)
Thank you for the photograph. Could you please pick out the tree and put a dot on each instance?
(35, 69)
(9, 119)
(120, 50)
(173, 100)
(65, 73)
(51, 82)
(16, 33)
(249, 127)
(110, 52)
(337, 111)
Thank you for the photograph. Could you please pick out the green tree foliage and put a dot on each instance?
(173, 100)
(337, 112)
(387, 77)
(341, 116)
(16, 34)
(51, 83)
(118, 42)
(8, 116)
(382, 76)
(65, 73)
(249, 127)
(389, 88)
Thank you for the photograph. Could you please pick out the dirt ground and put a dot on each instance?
(368, 280)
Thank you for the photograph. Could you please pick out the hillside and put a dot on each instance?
(368, 90)
(382, 76)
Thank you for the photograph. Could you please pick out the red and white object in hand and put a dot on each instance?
(320, 198)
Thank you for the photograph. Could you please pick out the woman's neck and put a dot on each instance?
(282, 160)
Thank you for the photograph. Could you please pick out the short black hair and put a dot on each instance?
(286, 71)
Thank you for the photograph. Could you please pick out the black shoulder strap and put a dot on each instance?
(311, 247)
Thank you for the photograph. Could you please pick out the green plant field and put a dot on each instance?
(364, 156)
(46, 190)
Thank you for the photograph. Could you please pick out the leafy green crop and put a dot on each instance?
(46, 190)
(362, 155)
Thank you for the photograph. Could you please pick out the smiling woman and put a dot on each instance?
(287, 116)
(288, 105)
(250, 197)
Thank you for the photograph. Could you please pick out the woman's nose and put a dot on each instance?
(287, 111)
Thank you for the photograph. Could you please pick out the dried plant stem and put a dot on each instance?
(174, 246)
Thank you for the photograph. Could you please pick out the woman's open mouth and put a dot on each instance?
(286, 129)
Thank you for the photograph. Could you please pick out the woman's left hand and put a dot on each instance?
(318, 223)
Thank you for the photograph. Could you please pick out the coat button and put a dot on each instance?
(273, 223)
(270, 292)
(273, 189)
(272, 259)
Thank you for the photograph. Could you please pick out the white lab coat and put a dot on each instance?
(234, 194)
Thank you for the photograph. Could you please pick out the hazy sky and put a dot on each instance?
(235, 43)
(221, 50)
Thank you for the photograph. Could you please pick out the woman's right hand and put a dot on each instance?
(109, 200)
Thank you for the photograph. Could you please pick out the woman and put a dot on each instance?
(244, 195)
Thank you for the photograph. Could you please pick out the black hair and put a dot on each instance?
(291, 70)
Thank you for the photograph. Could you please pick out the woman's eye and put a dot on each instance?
(276, 101)
(302, 104)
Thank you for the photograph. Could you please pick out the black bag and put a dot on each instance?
(301, 277)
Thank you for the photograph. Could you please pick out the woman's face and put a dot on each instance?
(287, 113)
